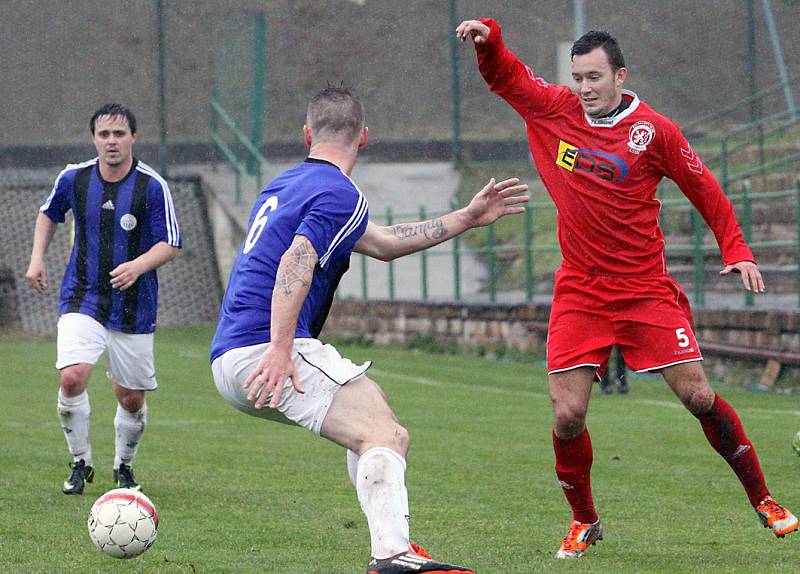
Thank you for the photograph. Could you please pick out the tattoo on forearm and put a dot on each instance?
(297, 266)
(432, 229)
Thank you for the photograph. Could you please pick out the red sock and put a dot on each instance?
(573, 467)
(726, 434)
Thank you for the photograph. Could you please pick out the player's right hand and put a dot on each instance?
(474, 28)
(36, 276)
(751, 276)
(266, 381)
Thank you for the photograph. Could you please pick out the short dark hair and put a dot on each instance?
(114, 110)
(597, 39)
(335, 112)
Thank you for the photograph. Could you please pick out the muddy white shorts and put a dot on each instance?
(322, 373)
(131, 364)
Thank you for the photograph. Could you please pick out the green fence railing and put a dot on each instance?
(241, 155)
(687, 235)
(238, 100)
(698, 126)
(703, 246)
(770, 135)
(783, 127)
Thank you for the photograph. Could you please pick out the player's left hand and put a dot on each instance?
(751, 276)
(125, 275)
(496, 200)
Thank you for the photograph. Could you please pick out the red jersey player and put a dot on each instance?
(601, 152)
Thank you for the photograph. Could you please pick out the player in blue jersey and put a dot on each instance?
(125, 228)
(302, 229)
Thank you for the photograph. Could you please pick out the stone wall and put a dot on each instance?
(524, 328)
(778, 330)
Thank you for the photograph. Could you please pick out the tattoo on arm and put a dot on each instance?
(297, 266)
(431, 229)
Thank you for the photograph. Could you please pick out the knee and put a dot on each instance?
(696, 394)
(73, 382)
(132, 402)
(690, 385)
(394, 436)
(699, 400)
(570, 418)
(403, 438)
(397, 438)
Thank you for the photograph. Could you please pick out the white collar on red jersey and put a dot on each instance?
(612, 121)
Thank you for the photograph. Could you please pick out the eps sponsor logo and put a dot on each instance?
(598, 163)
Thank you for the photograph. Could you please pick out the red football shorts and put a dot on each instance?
(648, 317)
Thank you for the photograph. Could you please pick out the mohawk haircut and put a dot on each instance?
(335, 113)
(597, 39)
(114, 110)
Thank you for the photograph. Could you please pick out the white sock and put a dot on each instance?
(129, 428)
(352, 466)
(74, 414)
(352, 471)
(380, 484)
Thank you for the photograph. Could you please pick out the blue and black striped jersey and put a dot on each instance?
(114, 223)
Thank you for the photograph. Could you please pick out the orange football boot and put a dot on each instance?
(580, 536)
(776, 517)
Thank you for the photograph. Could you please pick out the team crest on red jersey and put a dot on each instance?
(640, 136)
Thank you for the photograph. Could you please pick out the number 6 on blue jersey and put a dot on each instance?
(259, 223)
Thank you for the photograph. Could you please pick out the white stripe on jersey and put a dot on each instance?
(70, 167)
(171, 222)
(352, 224)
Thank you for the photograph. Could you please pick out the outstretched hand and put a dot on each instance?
(474, 28)
(497, 200)
(751, 276)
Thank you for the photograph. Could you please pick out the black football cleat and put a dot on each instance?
(413, 561)
(79, 475)
(124, 478)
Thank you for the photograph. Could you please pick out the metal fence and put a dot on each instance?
(520, 268)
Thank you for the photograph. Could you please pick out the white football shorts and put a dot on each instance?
(131, 364)
(322, 373)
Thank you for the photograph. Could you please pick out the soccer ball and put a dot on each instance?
(796, 443)
(123, 523)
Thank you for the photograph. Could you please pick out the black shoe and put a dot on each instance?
(123, 477)
(78, 476)
(413, 561)
(622, 388)
(606, 389)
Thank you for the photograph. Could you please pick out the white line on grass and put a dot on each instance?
(435, 383)
(657, 403)
(501, 391)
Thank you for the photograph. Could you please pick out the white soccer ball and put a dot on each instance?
(796, 443)
(123, 523)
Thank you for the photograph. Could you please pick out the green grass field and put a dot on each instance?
(236, 494)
